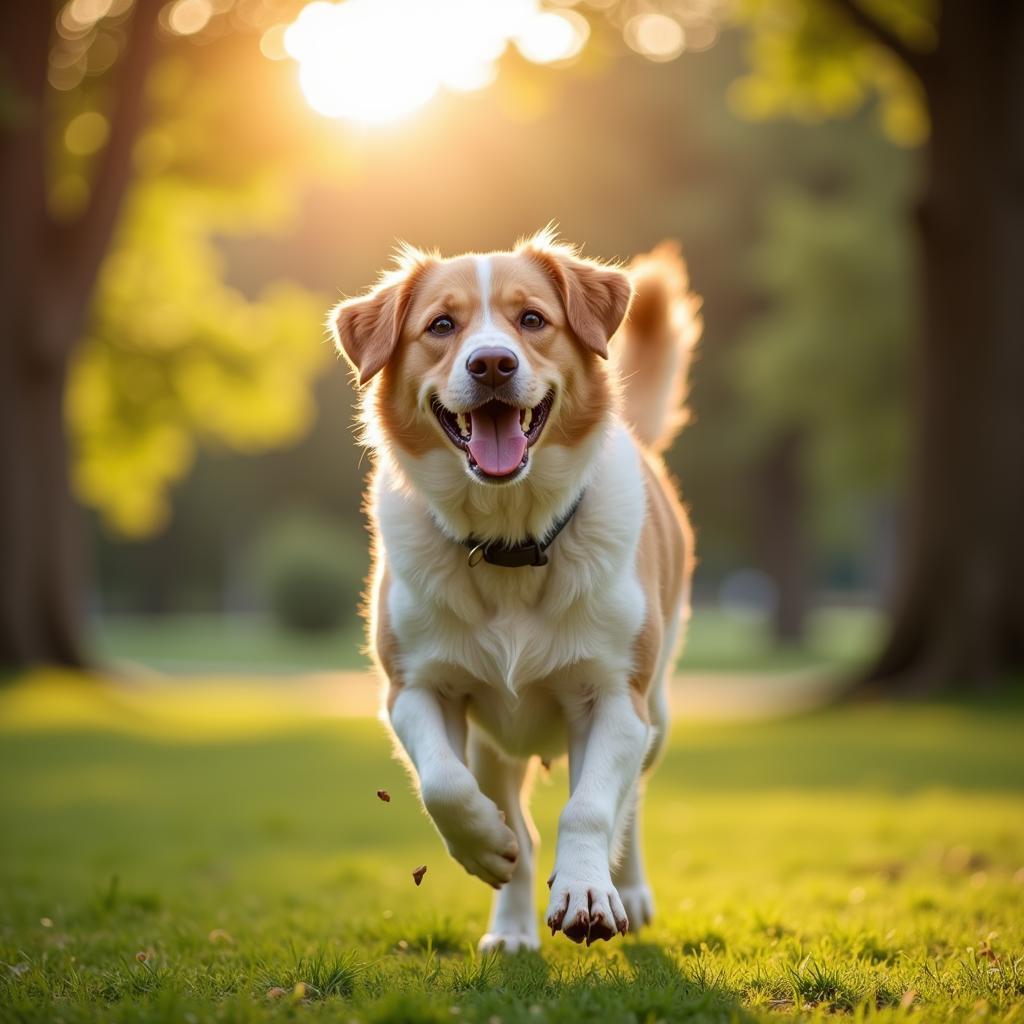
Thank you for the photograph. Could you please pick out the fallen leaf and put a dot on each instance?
(383, 794)
(417, 875)
(275, 992)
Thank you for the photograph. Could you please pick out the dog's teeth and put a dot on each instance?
(527, 419)
(460, 419)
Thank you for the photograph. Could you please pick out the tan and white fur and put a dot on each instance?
(491, 669)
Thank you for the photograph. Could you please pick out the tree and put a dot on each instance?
(958, 619)
(821, 367)
(89, 122)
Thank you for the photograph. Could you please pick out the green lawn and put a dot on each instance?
(153, 866)
(716, 641)
(200, 643)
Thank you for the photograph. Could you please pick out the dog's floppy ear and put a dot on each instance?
(366, 329)
(595, 296)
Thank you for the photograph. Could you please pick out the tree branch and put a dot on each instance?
(914, 60)
(88, 237)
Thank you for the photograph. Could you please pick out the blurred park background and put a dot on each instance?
(187, 186)
(191, 830)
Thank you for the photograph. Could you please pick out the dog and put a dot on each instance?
(532, 559)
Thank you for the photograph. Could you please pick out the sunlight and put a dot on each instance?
(374, 61)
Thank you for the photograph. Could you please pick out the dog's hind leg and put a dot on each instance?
(513, 924)
(629, 875)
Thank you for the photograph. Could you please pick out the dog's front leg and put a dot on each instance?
(606, 752)
(433, 731)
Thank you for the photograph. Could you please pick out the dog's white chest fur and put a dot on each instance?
(517, 643)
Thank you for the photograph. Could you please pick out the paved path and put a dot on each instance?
(706, 696)
(218, 704)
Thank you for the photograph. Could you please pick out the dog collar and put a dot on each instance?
(514, 556)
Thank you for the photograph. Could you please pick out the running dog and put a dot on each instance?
(532, 559)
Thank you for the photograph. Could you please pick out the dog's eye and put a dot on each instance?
(441, 326)
(532, 320)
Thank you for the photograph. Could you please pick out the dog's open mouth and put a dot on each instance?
(495, 436)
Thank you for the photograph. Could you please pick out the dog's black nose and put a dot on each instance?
(492, 366)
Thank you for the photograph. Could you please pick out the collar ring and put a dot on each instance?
(476, 555)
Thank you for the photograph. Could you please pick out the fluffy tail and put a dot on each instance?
(655, 344)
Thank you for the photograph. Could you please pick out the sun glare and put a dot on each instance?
(374, 61)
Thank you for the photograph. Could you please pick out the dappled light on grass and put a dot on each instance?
(861, 858)
(194, 710)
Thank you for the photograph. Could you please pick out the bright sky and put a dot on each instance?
(374, 61)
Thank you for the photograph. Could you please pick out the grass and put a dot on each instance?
(201, 643)
(238, 867)
(717, 641)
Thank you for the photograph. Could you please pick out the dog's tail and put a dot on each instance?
(654, 348)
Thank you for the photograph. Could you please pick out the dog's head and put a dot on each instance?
(489, 358)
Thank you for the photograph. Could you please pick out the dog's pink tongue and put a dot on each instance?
(497, 442)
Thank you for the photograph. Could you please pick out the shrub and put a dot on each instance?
(312, 571)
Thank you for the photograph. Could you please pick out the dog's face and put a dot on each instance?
(487, 357)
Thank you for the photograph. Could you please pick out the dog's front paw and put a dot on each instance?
(473, 829)
(585, 909)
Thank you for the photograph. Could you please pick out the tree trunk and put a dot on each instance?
(782, 535)
(958, 623)
(47, 274)
(38, 560)
(40, 544)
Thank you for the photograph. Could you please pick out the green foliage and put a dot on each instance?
(176, 353)
(864, 861)
(808, 60)
(175, 356)
(827, 357)
(313, 572)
